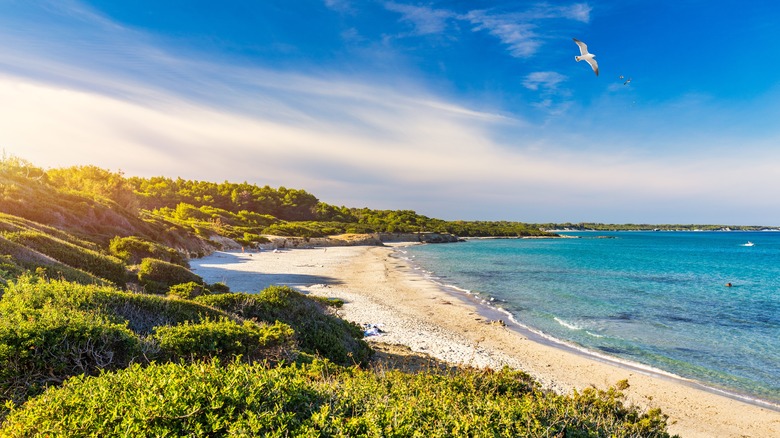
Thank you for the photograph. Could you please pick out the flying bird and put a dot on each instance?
(585, 56)
(628, 81)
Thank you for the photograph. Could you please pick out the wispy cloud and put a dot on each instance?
(577, 12)
(553, 98)
(425, 20)
(518, 36)
(359, 141)
(349, 148)
(340, 5)
(545, 80)
(518, 30)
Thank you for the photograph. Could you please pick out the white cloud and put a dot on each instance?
(425, 20)
(340, 5)
(520, 37)
(364, 142)
(578, 12)
(546, 80)
(384, 149)
(519, 31)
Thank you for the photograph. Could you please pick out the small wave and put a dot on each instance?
(568, 325)
(595, 335)
(459, 289)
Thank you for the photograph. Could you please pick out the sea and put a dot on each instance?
(659, 300)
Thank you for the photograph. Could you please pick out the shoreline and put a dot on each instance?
(382, 289)
(487, 309)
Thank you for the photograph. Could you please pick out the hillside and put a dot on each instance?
(105, 331)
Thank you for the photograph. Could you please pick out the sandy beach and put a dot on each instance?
(383, 290)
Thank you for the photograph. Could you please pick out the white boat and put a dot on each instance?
(749, 243)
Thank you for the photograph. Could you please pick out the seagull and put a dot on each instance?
(585, 56)
(627, 81)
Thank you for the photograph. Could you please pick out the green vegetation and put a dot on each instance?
(591, 226)
(104, 330)
(224, 339)
(51, 330)
(158, 276)
(316, 331)
(132, 250)
(211, 399)
(100, 265)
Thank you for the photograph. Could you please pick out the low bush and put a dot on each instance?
(292, 229)
(9, 269)
(132, 250)
(100, 265)
(158, 276)
(224, 339)
(187, 291)
(316, 330)
(26, 259)
(209, 399)
(46, 345)
(53, 329)
(219, 288)
(141, 312)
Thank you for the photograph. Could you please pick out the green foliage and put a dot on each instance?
(187, 291)
(100, 265)
(132, 250)
(224, 339)
(292, 229)
(209, 399)
(219, 288)
(141, 312)
(95, 181)
(282, 203)
(593, 226)
(9, 269)
(316, 331)
(158, 276)
(50, 330)
(25, 259)
(45, 345)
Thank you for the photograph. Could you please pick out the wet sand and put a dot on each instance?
(381, 289)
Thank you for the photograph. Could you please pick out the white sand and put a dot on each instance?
(383, 290)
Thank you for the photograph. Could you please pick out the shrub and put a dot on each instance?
(44, 346)
(187, 291)
(141, 312)
(132, 250)
(157, 275)
(219, 288)
(292, 229)
(27, 259)
(208, 399)
(224, 339)
(9, 269)
(103, 266)
(316, 331)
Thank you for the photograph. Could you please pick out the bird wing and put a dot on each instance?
(593, 65)
(583, 47)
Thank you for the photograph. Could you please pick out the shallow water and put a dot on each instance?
(655, 298)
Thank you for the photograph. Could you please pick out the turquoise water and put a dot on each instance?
(654, 298)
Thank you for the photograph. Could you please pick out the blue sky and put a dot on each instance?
(456, 109)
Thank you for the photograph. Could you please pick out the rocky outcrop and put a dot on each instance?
(424, 237)
(373, 239)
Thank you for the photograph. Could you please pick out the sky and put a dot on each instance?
(459, 110)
